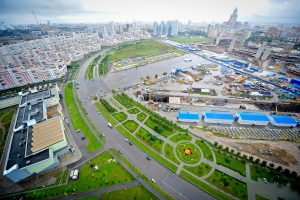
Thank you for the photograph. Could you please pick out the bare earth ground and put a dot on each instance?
(284, 153)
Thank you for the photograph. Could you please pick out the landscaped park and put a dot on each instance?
(130, 55)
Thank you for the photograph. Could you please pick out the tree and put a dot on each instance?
(264, 163)
(286, 172)
(215, 144)
(271, 165)
(279, 168)
(251, 158)
(227, 149)
(257, 160)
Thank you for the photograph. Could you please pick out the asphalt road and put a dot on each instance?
(167, 180)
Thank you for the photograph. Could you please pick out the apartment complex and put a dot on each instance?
(46, 59)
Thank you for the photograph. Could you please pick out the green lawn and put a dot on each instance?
(141, 48)
(188, 152)
(7, 117)
(258, 197)
(77, 120)
(120, 116)
(228, 184)
(133, 111)
(103, 66)
(127, 104)
(231, 162)
(150, 139)
(158, 128)
(130, 125)
(141, 116)
(199, 170)
(89, 75)
(169, 153)
(110, 172)
(179, 137)
(203, 186)
(138, 193)
(187, 39)
(112, 101)
(142, 175)
(105, 113)
(107, 106)
(205, 149)
(147, 150)
(257, 171)
(93, 197)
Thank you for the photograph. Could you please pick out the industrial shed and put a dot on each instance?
(252, 118)
(186, 116)
(282, 121)
(218, 117)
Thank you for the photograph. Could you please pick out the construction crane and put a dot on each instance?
(35, 18)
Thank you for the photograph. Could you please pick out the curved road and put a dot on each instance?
(167, 180)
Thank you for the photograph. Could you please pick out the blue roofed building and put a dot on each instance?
(252, 118)
(282, 121)
(186, 116)
(218, 117)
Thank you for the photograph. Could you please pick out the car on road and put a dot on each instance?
(130, 143)
(126, 140)
(82, 138)
(120, 152)
(148, 157)
(153, 180)
(110, 125)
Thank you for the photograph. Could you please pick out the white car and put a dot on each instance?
(153, 180)
(110, 125)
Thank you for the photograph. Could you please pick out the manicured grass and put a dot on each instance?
(203, 186)
(123, 101)
(154, 117)
(77, 121)
(166, 195)
(187, 39)
(110, 172)
(205, 149)
(141, 116)
(89, 75)
(228, 184)
(140, 48)
(182, 151)
(130, 125)
(147, 150)
(105, 113)
(158, 128)
(133, 111)
(115, 104)
(150, 139)
(138, 192)
(257, 171)
(120, 116)
(7, 117)
(199, 170)
(107, 106)
(169, 153)
(231, 162)
(258, 197)
(179, 137)
(92, 197)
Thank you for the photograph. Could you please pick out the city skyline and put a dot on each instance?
(82, 11)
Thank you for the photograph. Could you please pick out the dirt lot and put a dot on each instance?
(285, 153)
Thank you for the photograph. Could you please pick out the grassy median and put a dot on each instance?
(77, 120)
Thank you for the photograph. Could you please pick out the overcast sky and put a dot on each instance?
(97, 11)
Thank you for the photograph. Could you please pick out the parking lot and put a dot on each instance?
(291, 107)
(286, 134)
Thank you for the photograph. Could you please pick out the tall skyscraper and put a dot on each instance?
(233, 19)
(169, 28)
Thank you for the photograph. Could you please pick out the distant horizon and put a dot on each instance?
(92, 11)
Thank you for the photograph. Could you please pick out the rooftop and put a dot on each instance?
(188, 115)
(253, 116)
(280, 119)
(218, 115)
